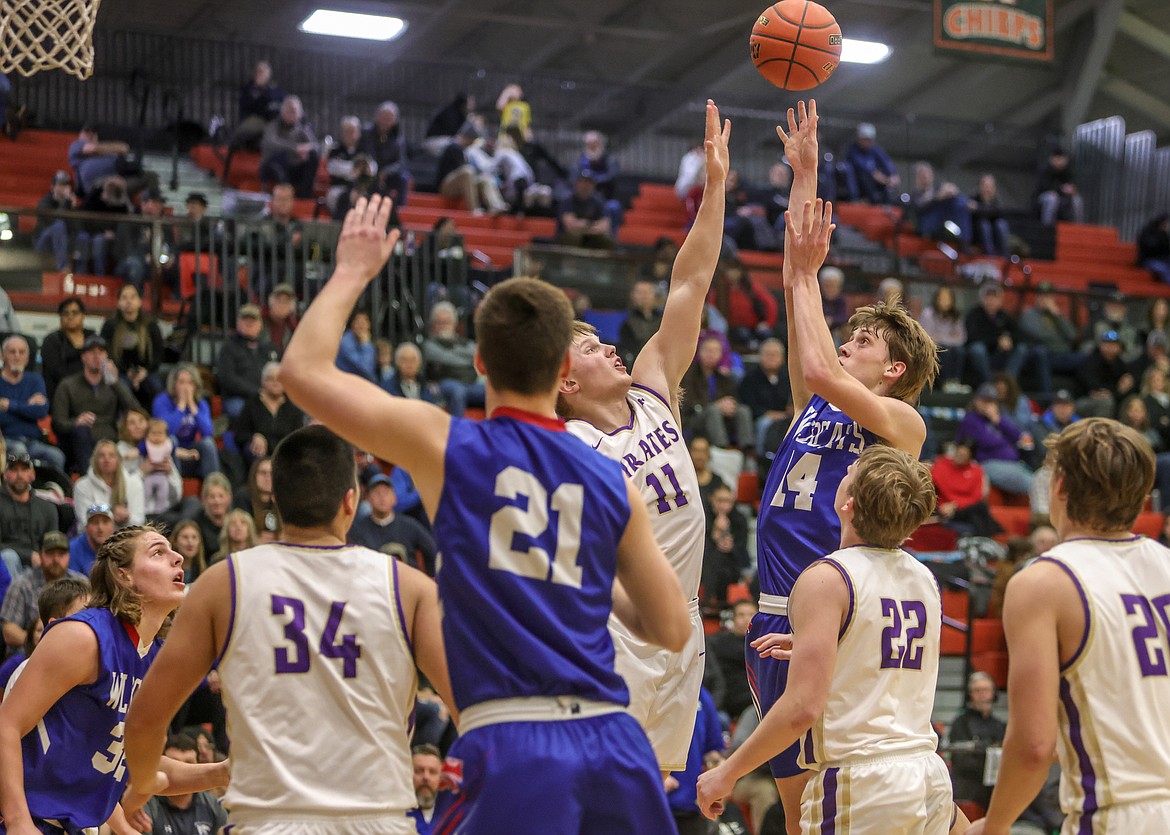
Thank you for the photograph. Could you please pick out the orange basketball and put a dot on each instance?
(796, 44)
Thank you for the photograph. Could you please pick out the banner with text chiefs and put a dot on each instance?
(1004, 28)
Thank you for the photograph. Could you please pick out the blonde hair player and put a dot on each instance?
(867, 624)
(1087, 629)
(633, 418)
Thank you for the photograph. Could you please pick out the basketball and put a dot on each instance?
(796, 44)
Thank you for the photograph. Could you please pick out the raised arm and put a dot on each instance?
(802, 150)
(807, 244)
(409, 433)
(665, 358)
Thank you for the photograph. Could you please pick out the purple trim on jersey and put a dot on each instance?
(340, 547)
(852, 598)
(1084, 606)
(651, 391)
(532, 418)
(809, 754)
(401, 612)
(1088, 775)
(231, 565)
(829, 802)
(625, 428)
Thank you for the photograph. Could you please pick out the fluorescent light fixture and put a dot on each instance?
(863, 52)
(371, 27)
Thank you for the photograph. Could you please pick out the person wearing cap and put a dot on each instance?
(280, 318)
(53, 234)
(1057, 196)
(994, 341)
(1113, 315)
(199, 233)
(1043, 323)
(139, 248)
(1062, 412)
(83, 548)
(1156, 354)
(242, 358)
(458, 178)
(24, 401)
(996, 442)
(581, 217)
(87, 405)
(20, 602)
(870, 175)
(24, 517)
(1104, 378)
(391, 533)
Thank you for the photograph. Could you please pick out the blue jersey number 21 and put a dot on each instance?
(528, 521)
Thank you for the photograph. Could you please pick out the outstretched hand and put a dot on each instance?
(806, 247)
(715, 144)
(365, 245)
(774, 645)
(800, 142)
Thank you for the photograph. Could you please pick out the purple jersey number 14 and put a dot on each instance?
(296, 659)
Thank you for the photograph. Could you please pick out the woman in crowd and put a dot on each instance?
(108, 483)
(131, 433)
(188, 419)
(215, 502)
(238, 533)
(136, 345)
(61, 349)
(357, 354)
(187, 541)
(257, 500)
(943, 321)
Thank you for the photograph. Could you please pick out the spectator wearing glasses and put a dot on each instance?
(61, 349)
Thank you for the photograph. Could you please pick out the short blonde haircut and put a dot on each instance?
(1107, 472)
(579, 330)
(892, 495)
(908, 343)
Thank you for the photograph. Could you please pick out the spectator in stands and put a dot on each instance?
(257, 500)
(237, 533)
(1156, 392)
(24, 517)
(450, 360)
(870, 175)
(260, 103)
(1060, 413)
(20, 602)
(289, 149)
(83, 548)
(774, 198)
(994, 341)
(200, 812)
(188, 418)
(215, 502)
(136, 346)
(996, 442)
(518, 182)
(1154, 247)
(87, 405)
(346, 162)
(24, 402)
(111, 199)
(356, 354)
(962, 489)
(61, 349)
(427, 764)
(691, 171)
(1114, 316)
(752, 311)
(944, 324)
(267, 418)
(385, 144)
(657, 271)
(93, 161)
(977, 726)
(1133, 413)
(643, 318)
(1103, 379)
(1157, 317)
(1020, 551)
(940, 211)
(458, 178)
(581, 217)
(56, 234)
(1157, 354)
(711, 405)
(8, 322)
(139, 248)
(1044, 324)
(106, 482)
(279, 258)
(200, 233)
(700, 450)
(706, 751)
(242, 358)
(280, 318)
(1057, 196)
(398, 535)
(726, 648)
(725, 553)
(992, 233)
(833, 303)
(132, 431)
(513, 110)
(603, 170)
(745, 220)
(1013, 402)
(406, 379)
(767, 391)
(446, 123)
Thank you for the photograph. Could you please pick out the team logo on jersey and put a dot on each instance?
(451, 777)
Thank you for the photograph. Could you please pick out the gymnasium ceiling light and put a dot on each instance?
(371, 27)
(863, 52)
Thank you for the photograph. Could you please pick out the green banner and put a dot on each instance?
(1003, 28)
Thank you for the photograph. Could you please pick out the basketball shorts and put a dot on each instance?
(767, 678)
(1151, 818)
(664, 689)
(883, 796)
(593, 776)
(357, 825)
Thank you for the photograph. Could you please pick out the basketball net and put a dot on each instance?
(40, 35)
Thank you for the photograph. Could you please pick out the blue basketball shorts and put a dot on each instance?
(767, 678)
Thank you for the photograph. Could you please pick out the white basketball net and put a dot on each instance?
(40, 35)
